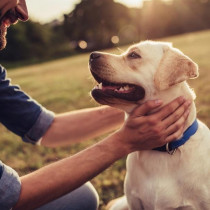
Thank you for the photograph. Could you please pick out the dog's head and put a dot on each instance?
(140, 74)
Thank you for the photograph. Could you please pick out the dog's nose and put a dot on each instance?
(95, 55)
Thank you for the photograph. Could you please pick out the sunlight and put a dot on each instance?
(51, 9)
(130, 3)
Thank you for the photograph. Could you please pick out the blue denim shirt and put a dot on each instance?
(25, 117)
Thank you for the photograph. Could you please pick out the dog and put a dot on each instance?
(155, 179)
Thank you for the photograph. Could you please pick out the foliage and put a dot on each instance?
(155, 19)
(31, 40)
(64, 85)
(98, 27)
(97, 21)
(160, 18)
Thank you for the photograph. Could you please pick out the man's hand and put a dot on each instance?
(143, 131)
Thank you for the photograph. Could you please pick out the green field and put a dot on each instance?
(64, 85)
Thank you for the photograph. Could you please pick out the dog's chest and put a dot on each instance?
(161, 181)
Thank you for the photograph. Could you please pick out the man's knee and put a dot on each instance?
(90, 196)
(83, 198)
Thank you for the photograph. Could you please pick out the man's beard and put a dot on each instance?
(12, 16)
(3, 40)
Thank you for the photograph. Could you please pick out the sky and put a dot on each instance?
(47, 10)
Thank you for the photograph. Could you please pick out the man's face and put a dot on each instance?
(10, 12)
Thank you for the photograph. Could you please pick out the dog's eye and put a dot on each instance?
(134, 55)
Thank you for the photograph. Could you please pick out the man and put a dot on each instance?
(61, 185)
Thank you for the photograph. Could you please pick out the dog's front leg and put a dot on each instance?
(135, 203)
(118, 204)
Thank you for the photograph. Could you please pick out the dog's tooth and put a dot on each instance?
(126, 87)
(100, 86)
(121, 89)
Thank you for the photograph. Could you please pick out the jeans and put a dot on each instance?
(83, 198)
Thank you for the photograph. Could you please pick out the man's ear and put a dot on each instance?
(174, 67)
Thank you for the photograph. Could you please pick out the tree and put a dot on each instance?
(96, 21)
(34, 41)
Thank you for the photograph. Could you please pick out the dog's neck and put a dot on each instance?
(181, 89)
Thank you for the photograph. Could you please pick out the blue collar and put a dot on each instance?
(172, 146)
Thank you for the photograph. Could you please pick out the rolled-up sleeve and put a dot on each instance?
(20, 113)
(39, 128)
(10, 187)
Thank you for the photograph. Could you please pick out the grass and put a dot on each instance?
(63, 85)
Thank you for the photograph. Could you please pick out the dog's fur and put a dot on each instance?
(156, 180)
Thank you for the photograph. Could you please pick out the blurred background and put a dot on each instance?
(97, 24)
(48, 57)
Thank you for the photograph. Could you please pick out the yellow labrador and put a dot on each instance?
(156, 180)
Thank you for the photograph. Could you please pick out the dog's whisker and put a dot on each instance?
(120, 50)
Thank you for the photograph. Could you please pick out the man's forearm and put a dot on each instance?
(82, 125)
(59, 178)
(138, 133)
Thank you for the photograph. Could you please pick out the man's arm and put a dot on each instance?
(139, 132)
(82, 125)
(57, 179)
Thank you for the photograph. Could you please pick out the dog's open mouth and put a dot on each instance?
(123, 91)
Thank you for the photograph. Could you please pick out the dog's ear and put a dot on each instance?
(174, 67)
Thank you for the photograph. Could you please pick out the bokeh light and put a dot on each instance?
(83, 44)
(115, 39)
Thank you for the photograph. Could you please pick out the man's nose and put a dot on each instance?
(22, 10)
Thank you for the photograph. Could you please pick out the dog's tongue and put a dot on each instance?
(110, 87)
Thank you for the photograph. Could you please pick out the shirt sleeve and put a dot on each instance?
(10, 187)
(20, 113)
